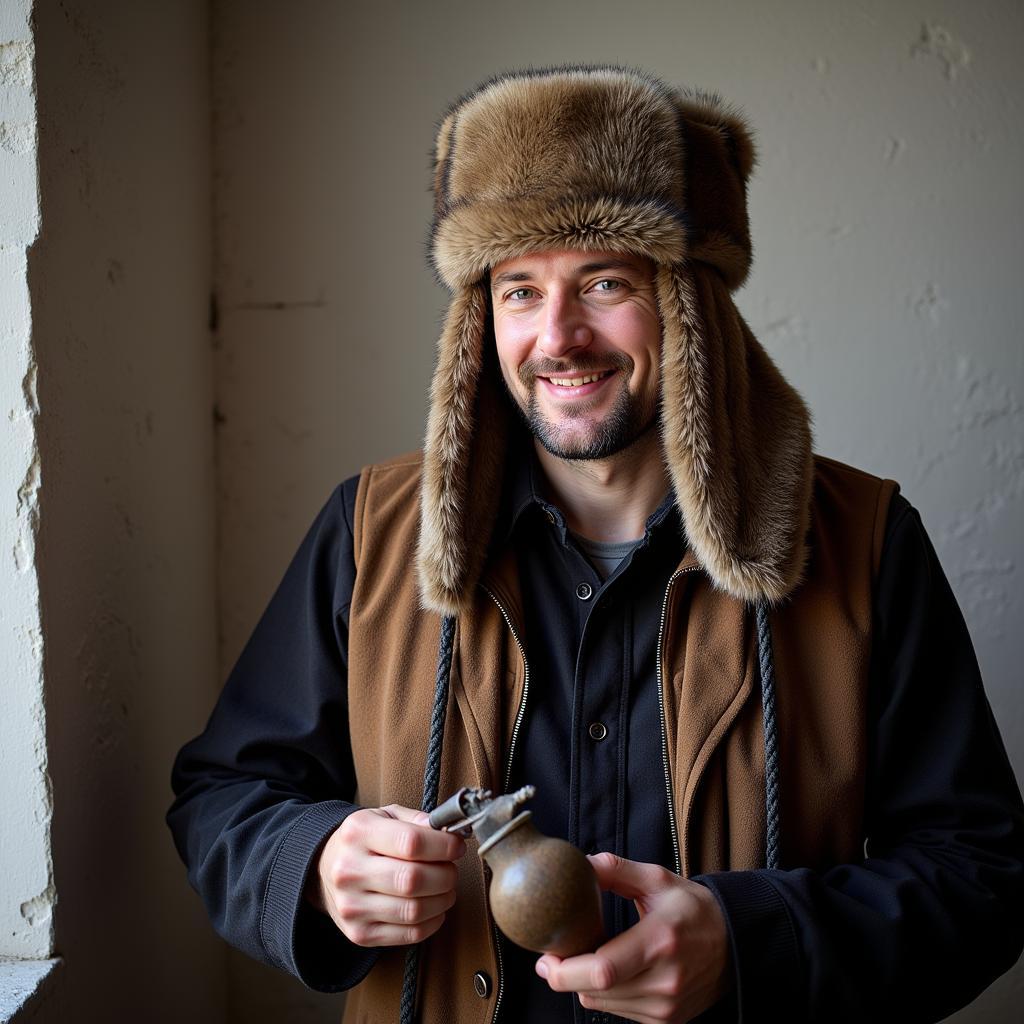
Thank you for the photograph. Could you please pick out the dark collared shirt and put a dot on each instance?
(591, 647)
(916, 930)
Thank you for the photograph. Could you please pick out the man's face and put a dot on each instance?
(579, 343)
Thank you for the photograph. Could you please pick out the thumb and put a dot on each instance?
(630, 878)
(408, 814)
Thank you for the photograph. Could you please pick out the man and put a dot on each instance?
(733, 669)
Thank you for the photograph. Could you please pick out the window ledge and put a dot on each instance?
(23, 986)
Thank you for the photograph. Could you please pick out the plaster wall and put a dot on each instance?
(885, 215)
(119, 282)
(26, 897)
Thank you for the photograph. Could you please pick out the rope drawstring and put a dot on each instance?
(431, 781)
(432, 770)
(771, 736)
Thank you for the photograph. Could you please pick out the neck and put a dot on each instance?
(608, 499)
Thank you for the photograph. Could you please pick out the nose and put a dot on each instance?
(564, 328)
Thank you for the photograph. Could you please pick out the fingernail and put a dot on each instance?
(542, 969)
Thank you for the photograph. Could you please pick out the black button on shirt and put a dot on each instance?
(591, 737)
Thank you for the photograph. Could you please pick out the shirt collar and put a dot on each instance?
(523, 495)
(523, 491)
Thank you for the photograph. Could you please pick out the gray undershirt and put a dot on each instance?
(604, 555)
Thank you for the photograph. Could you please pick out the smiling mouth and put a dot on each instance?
(576, 382)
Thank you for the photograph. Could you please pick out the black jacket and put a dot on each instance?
(913, 932)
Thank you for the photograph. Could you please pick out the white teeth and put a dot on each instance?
(575, 382)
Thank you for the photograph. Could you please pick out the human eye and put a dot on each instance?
(607, 286)
(519, 295)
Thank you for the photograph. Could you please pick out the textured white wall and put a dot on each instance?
(119, 281)
(26, 874)
(886, 220)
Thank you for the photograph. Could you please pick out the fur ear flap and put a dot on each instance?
(462, 458)
(737, 440)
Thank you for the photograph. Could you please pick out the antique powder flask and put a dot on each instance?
(543, 893)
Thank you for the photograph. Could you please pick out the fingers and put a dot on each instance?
(396, 832)
(630, 878)
(652, 994)
(612, 965)
(409, 814)
(376, 933)
(379, 901)
(368, 918)
(408, 879)
(672, 965)
(386, 877)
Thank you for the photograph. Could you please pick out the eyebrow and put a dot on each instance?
(586, 268)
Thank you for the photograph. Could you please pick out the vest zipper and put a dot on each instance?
(673, 826)
(508, 776)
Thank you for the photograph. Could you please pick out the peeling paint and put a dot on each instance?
(894, 149)
(22, 555)
(987, 420)
(16, 64)
(937, 41)
(931, 304)
(985, 568)
(39, 910)
(987, 416)
(962, 527)
(788, 326)
(984, 400)
(35, 640)
(29, 488)
(27, 514)
(788, 332)
(26, 928)
(29, 388)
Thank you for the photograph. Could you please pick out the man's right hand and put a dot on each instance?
(386, 877)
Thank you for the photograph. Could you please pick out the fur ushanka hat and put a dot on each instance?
(609, 158)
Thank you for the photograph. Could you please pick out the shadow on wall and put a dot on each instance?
(119, 282)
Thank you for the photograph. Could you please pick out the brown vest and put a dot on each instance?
(714, 740)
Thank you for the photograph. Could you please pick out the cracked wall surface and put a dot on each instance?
(121, 479)
(888, 242)
(26, 870)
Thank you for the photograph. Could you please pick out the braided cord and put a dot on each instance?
(771, 736)
(431, 781)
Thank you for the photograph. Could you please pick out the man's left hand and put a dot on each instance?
(670, 966)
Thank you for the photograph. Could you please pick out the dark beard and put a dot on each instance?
(626, 422)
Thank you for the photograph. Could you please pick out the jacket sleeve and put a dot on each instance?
(271, 777)
(935, 911)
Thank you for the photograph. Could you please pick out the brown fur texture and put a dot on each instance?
(610, 158)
